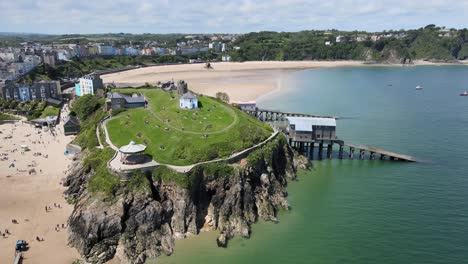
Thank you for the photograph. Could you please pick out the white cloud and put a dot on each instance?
(162, 16)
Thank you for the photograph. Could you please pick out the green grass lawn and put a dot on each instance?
(211, 117)
(181, 140)
(50, 110)
(7, 117)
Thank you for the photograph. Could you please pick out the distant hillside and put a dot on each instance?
(14, 39)
(429, 43)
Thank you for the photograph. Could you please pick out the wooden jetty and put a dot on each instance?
(273, 115)
(355, 151)
(375, 151)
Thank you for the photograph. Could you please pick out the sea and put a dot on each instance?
(361, 211)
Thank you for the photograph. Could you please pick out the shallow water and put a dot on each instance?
(368, 211)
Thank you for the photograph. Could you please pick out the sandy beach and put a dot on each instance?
(24, 196)
(242, 81)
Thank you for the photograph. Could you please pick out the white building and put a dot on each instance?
(360, 39)
(246, 106)
(188, 101)
(339, 39)
(327, 43)
(375, 38)
(89, 84)
(226, 58)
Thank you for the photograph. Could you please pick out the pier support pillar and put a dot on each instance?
(340, 154)
(361, 154)
(330, 151)
(320, 150)
(382, 156)
(372, 155)
(312, 150)
(351, 153)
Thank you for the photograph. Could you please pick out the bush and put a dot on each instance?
(139, 182)
(85, 106)
(216, 169)
(50, 111)
(166, 175)
(87, 136)
(102, 182)
(265, 153)
(222, 96)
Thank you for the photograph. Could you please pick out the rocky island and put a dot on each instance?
(141, 216)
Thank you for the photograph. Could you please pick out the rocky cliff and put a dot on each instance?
(141, 223)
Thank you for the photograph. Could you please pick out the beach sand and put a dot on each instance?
(242, 81)
(23, 196)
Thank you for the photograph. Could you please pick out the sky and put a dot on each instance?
(218, 16)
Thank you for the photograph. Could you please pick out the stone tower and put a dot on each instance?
(182, 87)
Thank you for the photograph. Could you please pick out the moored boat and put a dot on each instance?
(464, 94)
(419, 87)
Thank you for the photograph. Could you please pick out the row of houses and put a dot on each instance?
(42, 90)
(109, 50)
(13, 65)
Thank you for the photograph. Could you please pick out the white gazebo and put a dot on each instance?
(130, 153)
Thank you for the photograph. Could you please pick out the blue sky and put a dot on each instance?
(239, 16)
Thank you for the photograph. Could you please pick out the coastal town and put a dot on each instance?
(17, 61)
(142, 132)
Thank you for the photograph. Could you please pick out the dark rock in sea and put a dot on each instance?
(222, 240)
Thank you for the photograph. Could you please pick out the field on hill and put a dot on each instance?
(181, 137)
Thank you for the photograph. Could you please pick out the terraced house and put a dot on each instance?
(42, 90)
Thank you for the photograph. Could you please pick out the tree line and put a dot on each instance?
(428, 43)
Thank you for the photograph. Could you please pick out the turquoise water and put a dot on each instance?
(368, 211)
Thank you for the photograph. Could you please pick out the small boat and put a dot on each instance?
(464, 94)
(419, 87)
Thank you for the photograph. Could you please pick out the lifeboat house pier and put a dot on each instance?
(304, 133)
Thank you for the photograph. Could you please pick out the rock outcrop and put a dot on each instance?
(141, 224)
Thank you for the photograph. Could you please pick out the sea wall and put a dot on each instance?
(143, 222)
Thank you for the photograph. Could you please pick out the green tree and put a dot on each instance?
(222, 96)
(85, 106)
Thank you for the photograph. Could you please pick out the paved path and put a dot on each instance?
(98, 137)
(116, 165)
